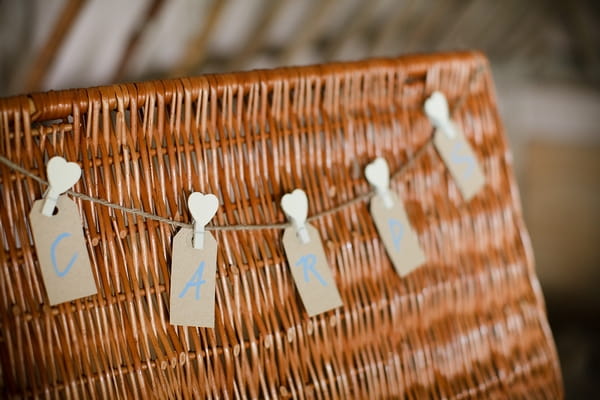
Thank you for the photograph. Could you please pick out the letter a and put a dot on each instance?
(195, 281)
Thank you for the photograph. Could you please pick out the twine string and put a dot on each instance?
(237, 227)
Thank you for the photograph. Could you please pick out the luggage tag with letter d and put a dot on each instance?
(400, 240)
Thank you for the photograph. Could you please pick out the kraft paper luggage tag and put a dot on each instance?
(305, 254)
(399, 238)
(454, 148)
(194, 267)
(59, 241)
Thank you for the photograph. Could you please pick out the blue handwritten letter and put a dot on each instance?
(397, 232)
(195, 281)
(65, 271)
(461, 156)
(308, 263)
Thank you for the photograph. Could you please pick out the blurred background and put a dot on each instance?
(545, 57)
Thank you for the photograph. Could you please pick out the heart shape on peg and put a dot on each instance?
(378, 174)
(62, 175)
(436, 108)
(202, 207)
(295, 206)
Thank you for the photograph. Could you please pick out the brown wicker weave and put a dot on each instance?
(469, 323)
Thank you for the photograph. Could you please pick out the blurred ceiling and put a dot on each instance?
(77, 43)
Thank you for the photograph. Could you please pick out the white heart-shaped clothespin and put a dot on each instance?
(378, 175)
(295, 207)
(436, 108)
(62, 175)
(202, 207)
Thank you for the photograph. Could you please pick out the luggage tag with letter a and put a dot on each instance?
(454, 148)
(400, 240)
(59, 241)
(194, 266)
(306, 257)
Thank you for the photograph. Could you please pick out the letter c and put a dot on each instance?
(65, 271)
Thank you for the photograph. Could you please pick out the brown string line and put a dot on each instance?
(360, 198)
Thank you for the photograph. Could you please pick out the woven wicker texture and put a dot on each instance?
(469, 323)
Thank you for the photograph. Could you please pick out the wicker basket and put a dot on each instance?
(469, 323)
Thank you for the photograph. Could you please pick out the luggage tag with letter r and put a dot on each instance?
(59, 241)
(305, 254)
(194, 267)
(454, 148)
(399, 238)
